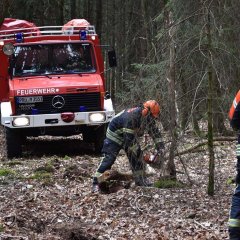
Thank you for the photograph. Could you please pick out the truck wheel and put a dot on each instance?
(95, 135)
(88, 135)
(100, 134)
(12, 143)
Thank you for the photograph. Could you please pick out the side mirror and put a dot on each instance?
(112, 58)
(107, 95)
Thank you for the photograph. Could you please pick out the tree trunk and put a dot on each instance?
(112, 79)
(172, 101)
(4, 10)
(210, 107)
(66, 10)
(99, 18)
(73, 9)
(61, 16)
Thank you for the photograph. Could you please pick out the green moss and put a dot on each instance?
(1, 228)
(231, 180)
(41, 175)
(66, 157)
(168, 183)
(6, 172)
(14, 163)
(46, 168)
(46, 178)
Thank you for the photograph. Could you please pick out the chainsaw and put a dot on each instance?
(154, 160)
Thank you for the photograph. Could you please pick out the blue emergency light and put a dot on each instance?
(19, 37)
(82, 108)
(34, 111)
(83, 34)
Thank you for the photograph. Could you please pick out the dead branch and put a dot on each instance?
(217, 139)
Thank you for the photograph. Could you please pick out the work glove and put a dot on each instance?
(155, 160)
(150, 158)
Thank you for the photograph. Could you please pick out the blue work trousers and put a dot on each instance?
(234, 220)
(110, 151)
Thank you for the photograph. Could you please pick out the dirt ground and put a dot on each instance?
(47, 195)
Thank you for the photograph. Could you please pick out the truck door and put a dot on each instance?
(4, 77)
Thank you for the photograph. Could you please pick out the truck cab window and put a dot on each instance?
(64, 58)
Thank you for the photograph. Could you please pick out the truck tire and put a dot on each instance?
(100, 134)
(12, 143)
(87, 134)
(95, 135)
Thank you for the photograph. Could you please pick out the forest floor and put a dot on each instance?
(47, 195)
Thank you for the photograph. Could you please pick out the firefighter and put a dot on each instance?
(123, 132)
(234, 219)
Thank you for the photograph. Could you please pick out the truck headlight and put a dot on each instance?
(21, 121)
(97, 117)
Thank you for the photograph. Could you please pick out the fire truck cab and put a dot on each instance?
(52, 83)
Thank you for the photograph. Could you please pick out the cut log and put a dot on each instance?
(115, 175)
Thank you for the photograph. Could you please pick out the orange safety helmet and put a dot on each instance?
(152, 107)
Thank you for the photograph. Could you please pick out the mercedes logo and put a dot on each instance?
(58, 102)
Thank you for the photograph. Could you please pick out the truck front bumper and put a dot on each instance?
(50, 120)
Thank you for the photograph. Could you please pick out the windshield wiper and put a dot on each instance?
(46, 75)
(27, 76)
(58, 70)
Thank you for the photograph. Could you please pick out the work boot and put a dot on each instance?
(95, 186)
(234, 233)
(142, 181)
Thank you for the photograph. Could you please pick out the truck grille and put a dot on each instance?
(72, 103)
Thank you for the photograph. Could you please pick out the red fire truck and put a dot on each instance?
(52, 83)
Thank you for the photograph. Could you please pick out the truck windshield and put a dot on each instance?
(62, 58)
